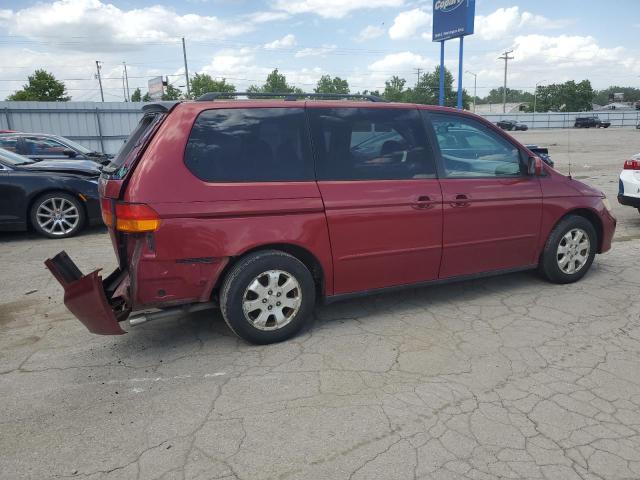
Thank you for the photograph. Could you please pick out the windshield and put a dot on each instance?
(77, 146)
(11, 158)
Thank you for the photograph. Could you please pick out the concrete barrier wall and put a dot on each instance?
(105, 126)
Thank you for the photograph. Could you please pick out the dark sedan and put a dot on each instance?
(512, 125)
(56, 198)
(44, 146)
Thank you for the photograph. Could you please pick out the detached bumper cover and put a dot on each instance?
(96, 303)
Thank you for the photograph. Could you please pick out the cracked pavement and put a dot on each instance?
(502, 378)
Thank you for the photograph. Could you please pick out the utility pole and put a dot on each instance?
(124, 88)
(186, 70)
(418, 70)
(126, 79)
(475, 77)
(505, 56)
(98, 67)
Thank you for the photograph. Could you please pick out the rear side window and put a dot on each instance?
(134, 143)
(370, 144)
(250, 145)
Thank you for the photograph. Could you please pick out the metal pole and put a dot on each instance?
(8, 116)
(441, 95)
(124, 88)
(100, 130)
(460, 73)
(126, 79)
(505, 56)
(186, 70)
(475, 92)
(99, 79)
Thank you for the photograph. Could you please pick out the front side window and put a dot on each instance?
(43, 146)
(470, 149)
(250, 145)
(9, 143)
(370, 144)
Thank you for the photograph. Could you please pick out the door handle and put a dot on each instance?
(461, 200)
(423, 202)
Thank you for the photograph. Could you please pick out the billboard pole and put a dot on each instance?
(441, 97)
(460, 74)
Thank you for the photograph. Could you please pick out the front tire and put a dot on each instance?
(569, 251)
(57, 215)
(267, 297)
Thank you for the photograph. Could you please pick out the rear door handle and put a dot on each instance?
(461, 200)
(423, 202)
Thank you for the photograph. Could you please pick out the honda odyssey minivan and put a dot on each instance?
(262, 207)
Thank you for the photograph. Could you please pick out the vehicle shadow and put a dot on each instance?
(207, 330)
(30, 235)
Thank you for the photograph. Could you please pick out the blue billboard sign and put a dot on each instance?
(452, 18)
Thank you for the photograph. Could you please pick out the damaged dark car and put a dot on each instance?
(55, 198)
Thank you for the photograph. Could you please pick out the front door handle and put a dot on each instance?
(423, 202)
(461, 200)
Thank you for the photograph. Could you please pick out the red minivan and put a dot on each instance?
(264, 206)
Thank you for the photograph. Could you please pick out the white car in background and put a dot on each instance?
(629, 185)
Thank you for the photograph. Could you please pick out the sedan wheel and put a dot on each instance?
(57, 215)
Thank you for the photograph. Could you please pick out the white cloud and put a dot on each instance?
(369, 33)
(407, 24)
(504, 21)
(288, 40)
(315, 51)
(264, 17)
(332, 8)
(399, 63)
(92, 25)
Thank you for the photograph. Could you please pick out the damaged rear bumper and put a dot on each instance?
(99, 304)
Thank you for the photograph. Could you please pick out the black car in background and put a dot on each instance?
(56, 198)
(512, 125)
(44, 146)
(590, 121)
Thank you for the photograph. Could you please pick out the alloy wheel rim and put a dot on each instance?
(272, 300)
(57, 216)
(573, 251)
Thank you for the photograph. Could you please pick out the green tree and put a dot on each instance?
(631, 94)
(394, 89)
(146, 97)
(275, 83)
(136, 96)
(42, 86)
(171, 93)
(517, 96)
(202, 83)
(565, 97)
(326, 84)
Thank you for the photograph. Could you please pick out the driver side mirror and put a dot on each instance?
(534, 166)
(69, 153)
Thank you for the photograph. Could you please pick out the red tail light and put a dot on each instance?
(129, 217)
(632, 165)
(136, 217)
(107, 212)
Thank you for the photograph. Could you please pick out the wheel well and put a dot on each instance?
(46, 192)
(593, 218)
(302, 254)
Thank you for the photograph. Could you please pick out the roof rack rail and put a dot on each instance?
(287, 96)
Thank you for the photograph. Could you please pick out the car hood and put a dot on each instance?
(81, 167)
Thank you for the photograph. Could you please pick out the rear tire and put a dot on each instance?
(57, 215)
(569, 251)
(267, 297)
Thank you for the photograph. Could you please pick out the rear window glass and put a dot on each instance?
(137, 138)
(250, 145)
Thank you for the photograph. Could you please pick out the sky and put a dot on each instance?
(364, 41)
